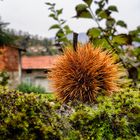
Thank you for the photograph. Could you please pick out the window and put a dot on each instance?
(29, 71)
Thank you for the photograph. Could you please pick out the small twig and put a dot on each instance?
(75, 40)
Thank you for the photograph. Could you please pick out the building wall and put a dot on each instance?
(9, 63)
(13, 80)
(8, 59)
(37, 77)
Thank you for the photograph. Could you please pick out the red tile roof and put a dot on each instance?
(38, 62)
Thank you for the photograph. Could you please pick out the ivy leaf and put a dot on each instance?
(55, 26)
(94, 32)
(88, 2)
(113, 8)
(121, 23)
(82, 11)
(122, 39)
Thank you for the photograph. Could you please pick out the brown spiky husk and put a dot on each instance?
(83, 74)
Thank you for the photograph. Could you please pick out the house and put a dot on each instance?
(35, 69)
(10, 61)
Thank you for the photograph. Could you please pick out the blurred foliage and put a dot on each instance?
(27, 42)
(49, 96)
(116, 117)
(4, 77)
(5, 38)
(24, 41)
(32, 116)
(28, 116)
(29, 88)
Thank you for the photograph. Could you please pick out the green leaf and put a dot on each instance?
(81, 7)
(121, 23)
(55, 26)
(101, 42)
(122, 39)
(50, 4)
(113, 8)
(98, 11)
(63, 39)
(82, 11)
(53, 16)
(110, 22)
(67, 29)
(88, 2)
(135, 34)
(59, 11)
(103, 14)
(94, 32)
(60, 34)
(62, 21)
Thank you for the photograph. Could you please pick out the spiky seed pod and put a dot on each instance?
(81, 75)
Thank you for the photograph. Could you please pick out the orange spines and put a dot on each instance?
(81, 75)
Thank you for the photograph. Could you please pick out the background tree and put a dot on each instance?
(5, 38)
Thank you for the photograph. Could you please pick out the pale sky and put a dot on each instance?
(32, 15)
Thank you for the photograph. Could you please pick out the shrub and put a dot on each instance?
(81, 75)
(27, 116)
(31, 116)
(116, 117)
(28, 88)
(4, 77)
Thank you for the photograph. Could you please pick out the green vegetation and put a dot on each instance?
(5, 38)
(62, 28)
(116, 117)
(24, 40)
(105, 34)
(49, 96)
(40, 116)
(27, 116)
(31, 116)
(4, 77)
(29, 88)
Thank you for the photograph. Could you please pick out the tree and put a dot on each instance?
(62, 28)
(5, 38)
(106, 36)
